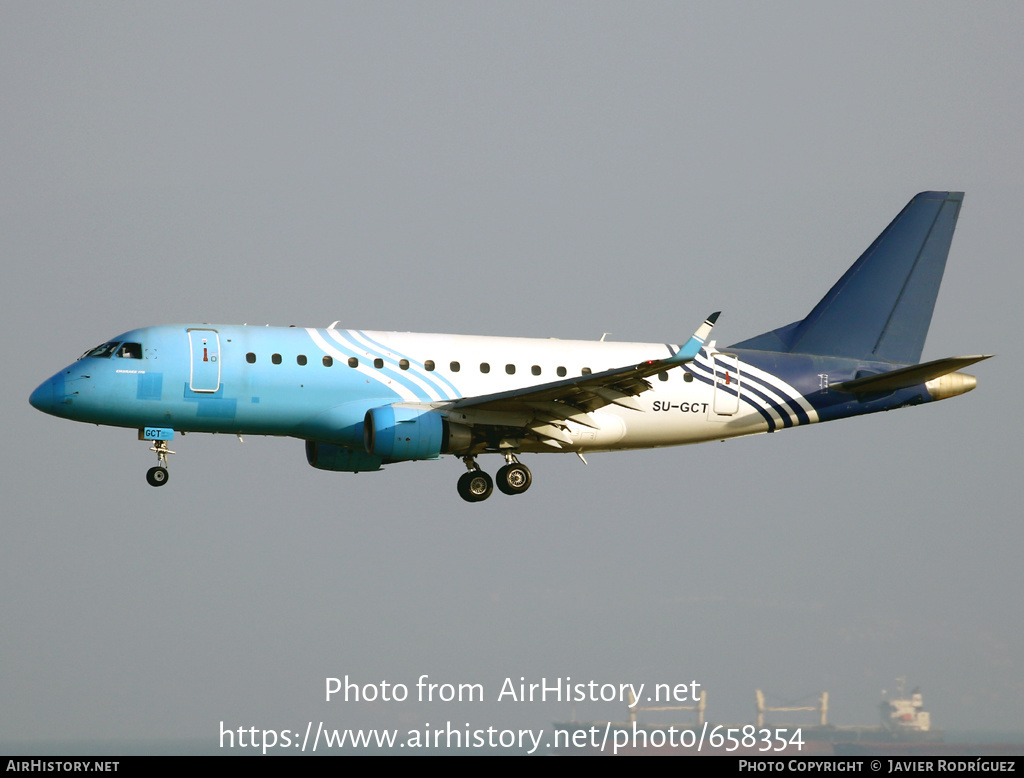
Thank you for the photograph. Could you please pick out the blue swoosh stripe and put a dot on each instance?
(787, 419)
(414, 372)
(434, 379)
(772, 424)
(390, 369)
(358, 351)
(750, 387)
(791, 402)
(787, 408)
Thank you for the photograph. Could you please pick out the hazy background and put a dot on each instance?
(533, 169)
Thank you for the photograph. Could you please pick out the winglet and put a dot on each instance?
(695, 343)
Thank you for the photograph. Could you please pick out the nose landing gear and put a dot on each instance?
(158, 476)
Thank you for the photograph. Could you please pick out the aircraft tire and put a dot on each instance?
(475, 486)
(157, 476)
(514, 479)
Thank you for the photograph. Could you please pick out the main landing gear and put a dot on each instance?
(158, 476)
(513, 478)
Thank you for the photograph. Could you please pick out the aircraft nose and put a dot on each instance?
(47, 395)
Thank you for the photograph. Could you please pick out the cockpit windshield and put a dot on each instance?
(107, 350)
(102, 352)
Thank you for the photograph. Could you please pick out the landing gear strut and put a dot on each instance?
(158, 476)
(475, 485)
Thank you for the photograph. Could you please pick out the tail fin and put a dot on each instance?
(881, 308)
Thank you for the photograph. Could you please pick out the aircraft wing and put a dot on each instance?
(542, 410)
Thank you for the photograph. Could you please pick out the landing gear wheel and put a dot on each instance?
(514, 478)
(158, 476)
(475, 486)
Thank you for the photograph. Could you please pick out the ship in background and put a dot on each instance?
(904, 729)
(903, 720)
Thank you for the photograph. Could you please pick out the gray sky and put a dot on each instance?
(535, 169)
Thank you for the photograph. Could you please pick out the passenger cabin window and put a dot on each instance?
(561, 372)
(662, 376)
(130, 351)
(535, 369)
(353, 362)
(328, 361)
(250, 358)
(378, 363)
(585, 371)
(455, 366)
(275, 358)
(301, 359)
(429, 365)
(688, 377)
(404, 364)
(485, 368)
(510, 369)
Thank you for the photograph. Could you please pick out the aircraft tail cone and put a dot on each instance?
(950, 385)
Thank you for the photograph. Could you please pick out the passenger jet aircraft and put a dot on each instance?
(361, 399)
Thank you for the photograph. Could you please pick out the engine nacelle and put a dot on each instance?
(325, 456)
(395, 434)
(398, 434)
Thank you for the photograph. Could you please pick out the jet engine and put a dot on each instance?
(397, 434)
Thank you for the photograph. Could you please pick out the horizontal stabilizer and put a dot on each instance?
(907, 376)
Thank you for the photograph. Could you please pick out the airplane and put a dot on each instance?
(361, 400)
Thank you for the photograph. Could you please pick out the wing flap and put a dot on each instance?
(561, 410)
(621, 399)
(551, 432)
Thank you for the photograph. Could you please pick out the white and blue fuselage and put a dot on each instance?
(317, 384)
(363, 399)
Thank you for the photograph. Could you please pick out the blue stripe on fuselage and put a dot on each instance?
(772, 425)
(749, 386)
(435, 379)
(390, 369)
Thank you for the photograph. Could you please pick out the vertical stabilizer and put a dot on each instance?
(882, 307)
